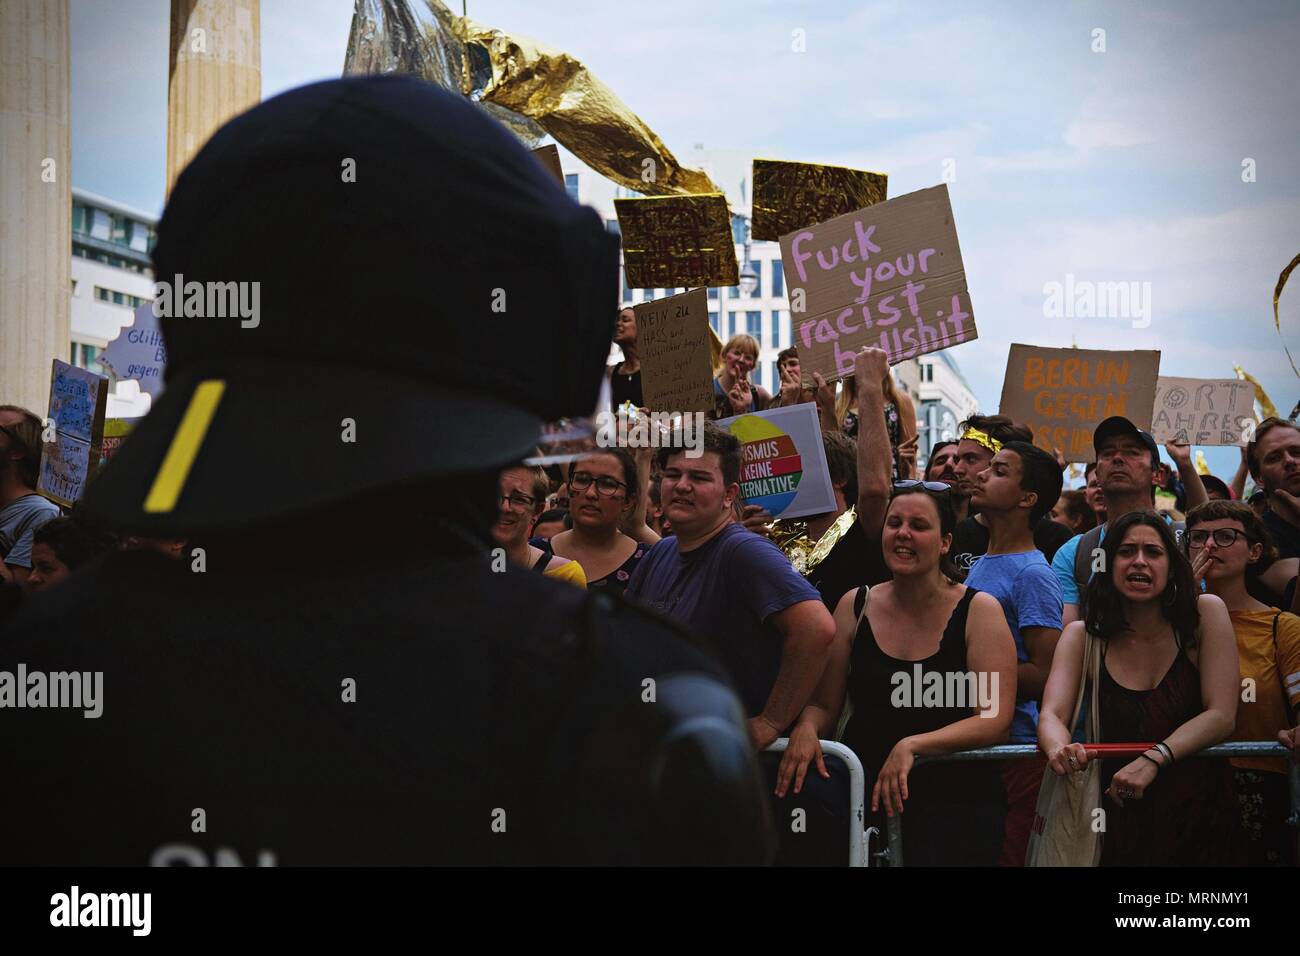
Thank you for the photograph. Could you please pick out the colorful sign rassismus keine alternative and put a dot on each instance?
(889, 276)
(783, 462)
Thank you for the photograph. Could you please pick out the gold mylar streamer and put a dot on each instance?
(527, 85)
(790, 196)
(1277, 294)
(569, 102)
(388, 36)
(1261, 397)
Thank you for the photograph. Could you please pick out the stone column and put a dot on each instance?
(215, 72)
(35, 198)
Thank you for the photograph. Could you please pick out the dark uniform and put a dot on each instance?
(341, 675)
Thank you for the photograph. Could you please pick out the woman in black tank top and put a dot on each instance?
(1168, 676)
(929, 669)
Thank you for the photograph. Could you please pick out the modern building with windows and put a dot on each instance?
(112, 275)
(946, 400)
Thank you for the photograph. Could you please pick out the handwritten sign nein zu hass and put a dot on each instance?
(671, 241)
(790, 196)
(888, 276)
(673, 342)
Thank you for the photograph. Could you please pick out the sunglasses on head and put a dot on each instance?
(911, 484)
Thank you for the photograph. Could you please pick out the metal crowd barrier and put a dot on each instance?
(858, 836)
(892, 855)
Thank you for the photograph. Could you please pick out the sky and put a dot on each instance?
(1122, 164)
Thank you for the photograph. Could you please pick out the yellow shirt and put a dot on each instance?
(1272, 669)
(570, 572)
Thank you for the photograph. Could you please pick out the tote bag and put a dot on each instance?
(1063, 833)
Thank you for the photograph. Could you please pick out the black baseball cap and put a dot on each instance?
(422, 280)
(1217, 484)
(1119, 425)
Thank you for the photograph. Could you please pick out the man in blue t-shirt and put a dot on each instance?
(1020, 485)
(735, 588)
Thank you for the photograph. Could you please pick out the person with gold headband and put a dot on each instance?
(982, 437)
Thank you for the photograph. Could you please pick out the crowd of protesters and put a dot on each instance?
(983, 565)
(973, 603)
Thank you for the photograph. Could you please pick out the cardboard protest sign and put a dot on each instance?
(673, 342)
(1202, 411)
(78, 400)
(792, 196)
(138, 352)
(671, 241)
(115, 430)
(889, 276)
(1064, 394)
(783, 462)
(549, 156)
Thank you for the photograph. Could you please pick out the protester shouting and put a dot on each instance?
(1168, 673)
(921, 626)
(1127, 461)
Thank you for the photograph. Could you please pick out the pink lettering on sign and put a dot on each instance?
(889, 274)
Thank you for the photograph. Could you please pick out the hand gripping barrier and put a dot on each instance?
(892, 855)
(858, 836)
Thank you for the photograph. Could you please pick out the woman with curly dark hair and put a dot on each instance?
(1167, 675)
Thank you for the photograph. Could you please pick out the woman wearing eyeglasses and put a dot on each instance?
(1223, 538)
(603, 490)
(521, 496)
(930, 669)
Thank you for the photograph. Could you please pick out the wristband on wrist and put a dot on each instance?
(1152, 759)
(1165, 749)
